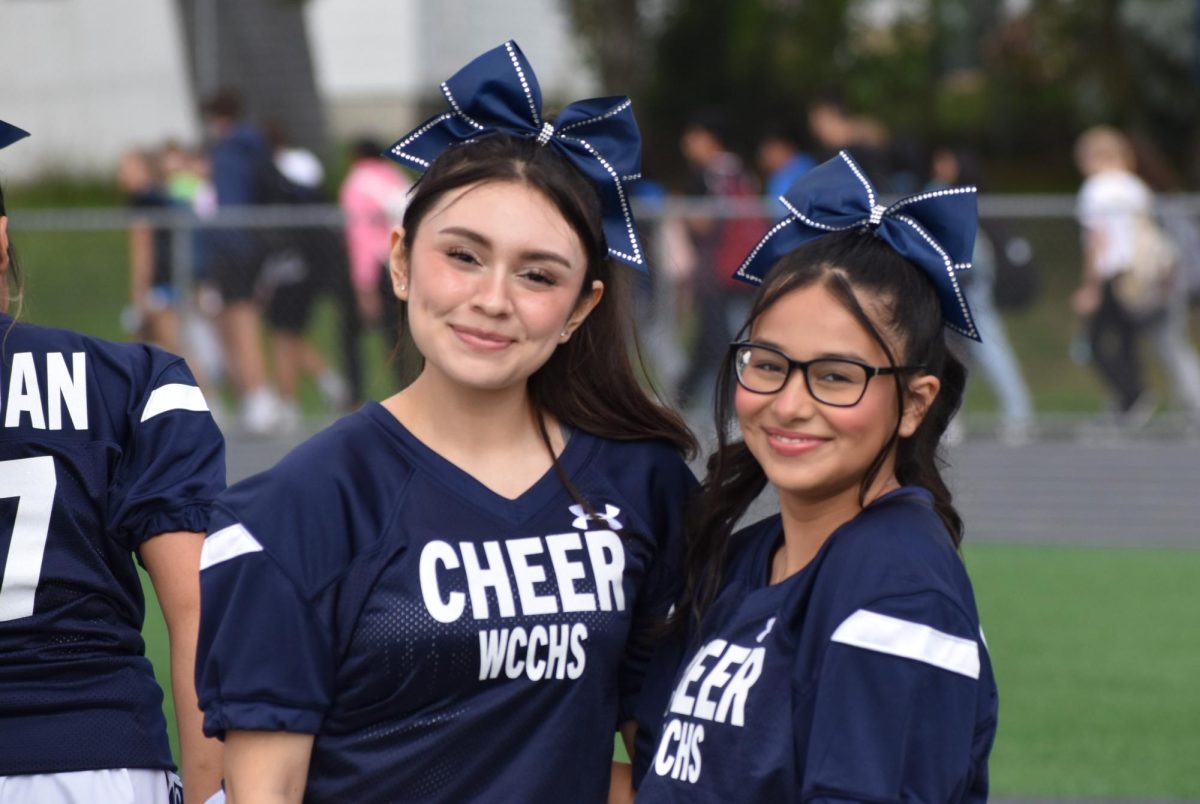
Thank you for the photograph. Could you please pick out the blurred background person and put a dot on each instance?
(292, 277)
(153, 313)
(834, 129)
(719, 303)
(237, 153)
(781, 161)
(1112, 203)
(993, 354)
(373, 196)
(1169, 333)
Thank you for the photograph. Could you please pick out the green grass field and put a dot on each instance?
(1096, 656)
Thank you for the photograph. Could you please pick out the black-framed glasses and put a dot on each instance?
(833, 381)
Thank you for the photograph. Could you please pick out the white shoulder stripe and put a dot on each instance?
(175, 396)
(891, 635)
(227, 543)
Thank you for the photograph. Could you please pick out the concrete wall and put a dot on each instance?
(90, 79)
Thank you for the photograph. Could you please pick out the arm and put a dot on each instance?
(266, 767)
(620, 789)
(1086, 297)
(141, 264)
(897, 706)
(173, 562)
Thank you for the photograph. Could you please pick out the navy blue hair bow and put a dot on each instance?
(10, 134)
(498, 92)
(934, 230)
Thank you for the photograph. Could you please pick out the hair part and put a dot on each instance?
(589, 383)
(854, 266)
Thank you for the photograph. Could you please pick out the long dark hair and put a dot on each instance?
(845, 264)
(589, 382)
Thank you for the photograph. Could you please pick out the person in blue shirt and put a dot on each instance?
(107, 453)
(831, 652)
(448, 596)
(781, 161)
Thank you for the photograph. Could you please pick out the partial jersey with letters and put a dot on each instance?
(102, 446)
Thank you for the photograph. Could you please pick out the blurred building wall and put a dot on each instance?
(379, 62)
(91, 79)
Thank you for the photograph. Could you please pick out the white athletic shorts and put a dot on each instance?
(114, 786)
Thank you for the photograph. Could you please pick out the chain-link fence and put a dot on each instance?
(289, 263)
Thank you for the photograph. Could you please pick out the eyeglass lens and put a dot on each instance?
(834, 382)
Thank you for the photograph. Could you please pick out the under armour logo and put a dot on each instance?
(609, 517)
(765, 631)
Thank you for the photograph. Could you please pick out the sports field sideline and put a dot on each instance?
(1086, 562)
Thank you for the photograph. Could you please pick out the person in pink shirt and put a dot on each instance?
(373, 196)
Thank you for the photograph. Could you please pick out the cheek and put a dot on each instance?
(748, 405)
(873, 418)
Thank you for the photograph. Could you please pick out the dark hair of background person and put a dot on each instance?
(712, 120)
(968, 165)
(589, 382)
(14, 272)
(366, 148)
(851, 265)
(225, 104)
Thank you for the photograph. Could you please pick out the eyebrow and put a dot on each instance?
(476, 237)
(823, 356)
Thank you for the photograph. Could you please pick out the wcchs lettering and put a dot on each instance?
(532, 576)
(713, 689)
(21, 396)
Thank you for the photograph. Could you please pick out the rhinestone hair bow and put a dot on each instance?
(10, 134)
(934, 230)
(498, 92)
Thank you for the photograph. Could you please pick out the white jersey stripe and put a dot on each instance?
(227, 543)
(892, 635)
(175, 396)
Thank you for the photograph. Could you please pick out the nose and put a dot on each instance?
(491, 295)
(793, 401)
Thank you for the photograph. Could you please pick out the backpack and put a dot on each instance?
(1017, 279)
(1143, 287)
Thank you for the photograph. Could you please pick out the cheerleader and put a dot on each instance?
(832, 652)
(446, 596)
(107, 453)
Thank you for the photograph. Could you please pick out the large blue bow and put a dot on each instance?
(10, 134)
(934, 230)
(498, 92)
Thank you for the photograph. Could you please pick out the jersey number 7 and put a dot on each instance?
(33, 482)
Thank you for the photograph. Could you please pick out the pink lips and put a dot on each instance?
(791, 444)
(482, 339)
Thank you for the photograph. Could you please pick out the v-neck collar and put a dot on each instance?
(544, 490)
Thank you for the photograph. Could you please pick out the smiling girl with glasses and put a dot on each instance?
(831, 652)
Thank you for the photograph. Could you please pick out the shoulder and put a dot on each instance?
(896, 546)
(650, 465)
(327, 501)
(132, 367)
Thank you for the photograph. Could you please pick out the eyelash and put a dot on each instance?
(534, 275)
(462, 255)
(540, 277)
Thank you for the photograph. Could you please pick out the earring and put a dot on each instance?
(562, 334)
(403, 287)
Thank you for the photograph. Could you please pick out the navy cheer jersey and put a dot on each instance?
(442, 642)
(102, 446)
(864, 677)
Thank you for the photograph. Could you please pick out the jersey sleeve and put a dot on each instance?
(896, 705)
(672, 488)
(173, 464)
(265, 660)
